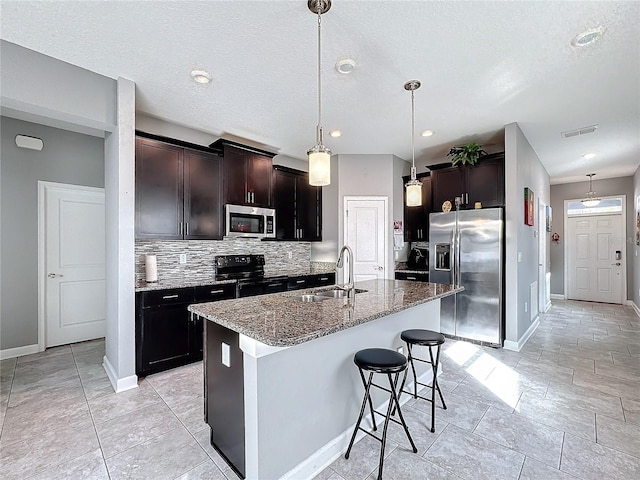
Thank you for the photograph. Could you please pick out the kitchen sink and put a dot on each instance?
(336, 293)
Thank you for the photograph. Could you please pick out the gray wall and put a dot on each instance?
(522, 169)
(635, 263)
(570, 191)
(66, 158)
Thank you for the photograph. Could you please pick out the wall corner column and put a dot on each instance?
(119, 360)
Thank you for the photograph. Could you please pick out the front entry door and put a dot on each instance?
(595, 256)
(366, 234)
(73, 244)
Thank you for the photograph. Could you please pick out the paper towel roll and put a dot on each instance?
(151, 268)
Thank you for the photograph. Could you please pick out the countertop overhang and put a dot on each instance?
(283, 320)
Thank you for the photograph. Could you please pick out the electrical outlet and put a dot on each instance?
(290, 254)
(183, 258)
(400, 350)
(526, 307)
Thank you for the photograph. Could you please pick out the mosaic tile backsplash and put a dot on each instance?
(200, 255)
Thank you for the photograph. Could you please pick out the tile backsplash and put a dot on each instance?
(200, 255)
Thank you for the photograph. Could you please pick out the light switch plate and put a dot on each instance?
(226, 355)
(183, 258)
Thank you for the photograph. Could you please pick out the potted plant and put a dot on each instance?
(466, 155)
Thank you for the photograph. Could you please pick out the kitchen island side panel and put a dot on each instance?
(224, 394)
(306, 398)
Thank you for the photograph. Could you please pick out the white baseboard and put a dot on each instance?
(517, 346)
(327, 454)
(18, 351)
(557, 296)
(635, 307)
(119, 384)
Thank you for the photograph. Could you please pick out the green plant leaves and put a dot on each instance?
(467, 154)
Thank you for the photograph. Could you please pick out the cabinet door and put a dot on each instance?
(259, 179)
(284, 202)
(447, 184)
(416, 219)
(165, 338)
(235, 176)
(202, 196)
(159, 190)
(308, 209)
(486, 182)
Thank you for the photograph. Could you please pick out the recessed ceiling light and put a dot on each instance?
(588, 37)
(589, 156)
(201, 76)
(427, 133)
(335, 133)
(346, 65)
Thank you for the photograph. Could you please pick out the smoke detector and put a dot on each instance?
(346, 65)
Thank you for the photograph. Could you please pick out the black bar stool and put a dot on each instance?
(425, 338)
(388, 362)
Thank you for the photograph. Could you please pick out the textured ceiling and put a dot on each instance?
(482, 65)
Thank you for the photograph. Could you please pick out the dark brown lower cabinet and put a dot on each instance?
(224, 394)
(167, 335)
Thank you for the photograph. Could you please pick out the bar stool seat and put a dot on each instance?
(430, 339)
(389, 363)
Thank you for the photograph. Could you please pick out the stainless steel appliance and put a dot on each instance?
(466, 248)
(248, 270)
(253, 222)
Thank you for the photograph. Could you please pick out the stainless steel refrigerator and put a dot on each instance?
(466, 248)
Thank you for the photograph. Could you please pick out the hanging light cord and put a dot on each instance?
(319, 128)
(413, 134)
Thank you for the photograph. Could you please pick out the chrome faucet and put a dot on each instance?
(349, 286)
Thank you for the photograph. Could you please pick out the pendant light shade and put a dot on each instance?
(591, 200)
(413, 186)
(319, 155)
(319, 166)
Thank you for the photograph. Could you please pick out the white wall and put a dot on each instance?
(635, 265)
(522, 169)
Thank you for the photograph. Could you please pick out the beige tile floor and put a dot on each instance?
(567, 406)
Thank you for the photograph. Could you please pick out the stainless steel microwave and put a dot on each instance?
(251, 222)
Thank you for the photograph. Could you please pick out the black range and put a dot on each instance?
(248, 270)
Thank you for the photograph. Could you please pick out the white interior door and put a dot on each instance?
(73, 247)
(366, 234)
(543, 277)
(594, 269)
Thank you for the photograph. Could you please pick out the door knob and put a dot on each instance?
(378, 268)
(54, 275)
(616, 264)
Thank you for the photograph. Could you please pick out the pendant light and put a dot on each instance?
(591, 200)
(319, 155)
(414, 186)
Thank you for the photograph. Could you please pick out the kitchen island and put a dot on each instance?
(281, 391)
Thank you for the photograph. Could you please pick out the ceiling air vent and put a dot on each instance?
(579, 131)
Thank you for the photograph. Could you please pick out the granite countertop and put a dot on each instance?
(282, 319)
(143, 286)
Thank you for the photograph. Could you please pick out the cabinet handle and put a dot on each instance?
(167, 297)
(186, 228)
(324, 278)
(274, 285)
(300, 281)
(411, 278)
(217, 291)
(180, 228)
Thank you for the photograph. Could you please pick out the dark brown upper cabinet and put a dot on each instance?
(416, 219)
(247, 174)
(483, 182)
(178, 192)
(298, 205)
